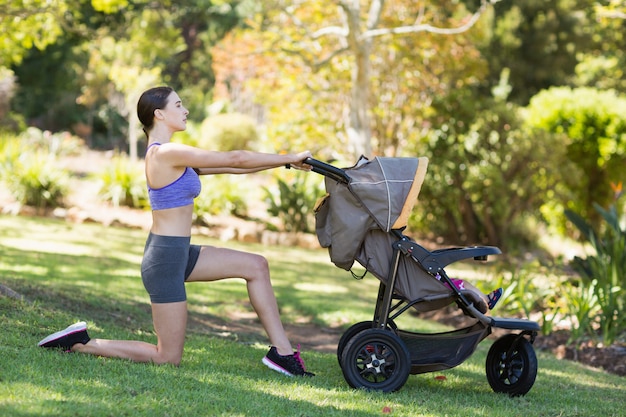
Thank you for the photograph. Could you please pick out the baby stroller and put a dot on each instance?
(362, 219)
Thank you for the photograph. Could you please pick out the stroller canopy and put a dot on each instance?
(380, 195)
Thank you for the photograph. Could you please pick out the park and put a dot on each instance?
(518, 109)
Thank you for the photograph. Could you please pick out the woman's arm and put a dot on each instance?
(232, 162)
(210, 171)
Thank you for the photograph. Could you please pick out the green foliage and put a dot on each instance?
(56, 144)
(227, 132)
(292, 201)
(522, 292)
(123, 183)
(582, 307)
(590, 126)
(29, 167)
(34, 178)
(554, 31)
(27, 25)
(604, 273)
(81, 63)
(486, 174)
(221, 195)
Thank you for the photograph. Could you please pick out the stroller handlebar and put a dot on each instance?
(328, 170)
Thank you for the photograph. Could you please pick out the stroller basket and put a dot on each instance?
(439, 351)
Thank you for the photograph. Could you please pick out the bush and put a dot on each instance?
(123, 183)
(292, 203)
(591, 129)
(220, 195)
(486, 177)
(605, 271)
(56, 144)
(227, 132)
(33, 178)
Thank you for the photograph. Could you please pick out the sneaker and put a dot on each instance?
(494, 297)
(76, 333)
(290, 365)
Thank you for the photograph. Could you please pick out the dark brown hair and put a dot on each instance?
(151, 100)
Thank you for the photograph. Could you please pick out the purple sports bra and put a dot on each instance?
(177, 194)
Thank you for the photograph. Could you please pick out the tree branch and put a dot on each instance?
(420, 27)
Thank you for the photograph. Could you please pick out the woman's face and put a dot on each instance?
(174, 114)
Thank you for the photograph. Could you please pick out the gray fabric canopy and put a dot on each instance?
(354, 220)
(379, 195)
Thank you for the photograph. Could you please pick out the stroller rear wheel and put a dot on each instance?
(353, 331)
(511, 365)
(376, 359)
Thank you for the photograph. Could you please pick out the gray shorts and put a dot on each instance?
(166, 265)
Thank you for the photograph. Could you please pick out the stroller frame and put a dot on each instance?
(377, 355)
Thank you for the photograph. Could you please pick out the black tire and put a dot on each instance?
(353, 331)
(376, 359)
(511, 365)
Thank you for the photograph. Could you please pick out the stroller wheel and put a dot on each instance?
(376, 359)
(353, 331)
(511, 365)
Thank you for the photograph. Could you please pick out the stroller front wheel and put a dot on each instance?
(511, 365)
(376, 359)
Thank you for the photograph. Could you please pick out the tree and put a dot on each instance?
(35, 25)
(602, 66)
(344, 34)
(96, 55)
(542, 44)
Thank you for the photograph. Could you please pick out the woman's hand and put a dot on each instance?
(299, 161)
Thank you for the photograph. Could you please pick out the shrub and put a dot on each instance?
(592, 130)
(227, 132)
(34, 179)
(123, 183)
(292, 203)
(220, 195)
(57, 144)
(604, 271)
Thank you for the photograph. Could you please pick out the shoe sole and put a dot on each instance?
(275, 367)
(74, 328)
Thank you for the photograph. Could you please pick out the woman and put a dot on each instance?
(170, 260)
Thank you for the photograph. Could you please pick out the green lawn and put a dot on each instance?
(88, 272)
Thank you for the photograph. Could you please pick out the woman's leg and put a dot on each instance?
(219, 263)
(170, 321)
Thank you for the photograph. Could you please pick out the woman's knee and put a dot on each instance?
(258, 267)
(262, 263)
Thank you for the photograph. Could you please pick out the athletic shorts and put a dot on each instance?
(166, 265)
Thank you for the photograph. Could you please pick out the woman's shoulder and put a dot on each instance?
(176, 152)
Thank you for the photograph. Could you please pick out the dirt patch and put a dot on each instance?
(611, 358)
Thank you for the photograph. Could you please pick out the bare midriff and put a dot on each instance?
(172, 222)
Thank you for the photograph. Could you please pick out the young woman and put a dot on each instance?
(170, 260)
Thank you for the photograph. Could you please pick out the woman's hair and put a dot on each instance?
(151, 100)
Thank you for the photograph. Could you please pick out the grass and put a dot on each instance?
(88, 272)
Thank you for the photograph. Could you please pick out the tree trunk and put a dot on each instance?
(359, 124)
(359, 128)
